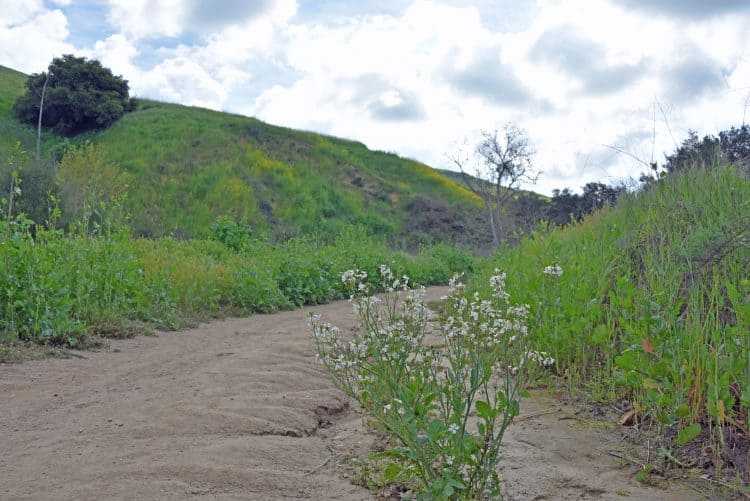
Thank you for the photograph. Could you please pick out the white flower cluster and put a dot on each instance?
(364, 303)
(486, 323)
(392, 330)
(553, 271)
(355, 280)
(497, 284)
(386, 272)
(390, 283)
(353, 276)
(540, 357)
(399, 407)
(414, 308)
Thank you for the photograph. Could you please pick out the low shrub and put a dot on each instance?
(446, 409)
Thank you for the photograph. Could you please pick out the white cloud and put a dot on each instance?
(431, 73)
(19, 11)
(407, 55)
(569, 125)
(147, 18)
(116, 53)
(203, 73)
(182, 80)
(31, 35)
(171, 18)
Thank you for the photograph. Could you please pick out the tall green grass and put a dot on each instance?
(653, 303)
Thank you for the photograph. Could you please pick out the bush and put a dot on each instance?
(90, 189)
(231, 233)
(62, 289)
(445, 408)
(80, 95)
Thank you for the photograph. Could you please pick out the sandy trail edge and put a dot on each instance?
(238, 409)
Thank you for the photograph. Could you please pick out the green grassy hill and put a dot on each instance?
(187, 166)
(11, 87)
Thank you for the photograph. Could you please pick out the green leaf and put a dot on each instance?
(393, 472)
(642, 475)
(435, 429)
(688, 433)
(628, 360)
(484, 410)
(448, 486)
(682, 411)
(600, 334)
(745, 397)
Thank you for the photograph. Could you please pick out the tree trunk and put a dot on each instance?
(39, 123)
(495, 240)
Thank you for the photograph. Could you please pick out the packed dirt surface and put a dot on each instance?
(240, 409)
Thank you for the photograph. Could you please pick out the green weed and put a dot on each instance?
(653, 303)
(446, 409)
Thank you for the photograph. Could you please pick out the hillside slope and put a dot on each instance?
(11, 87)
(187, 166)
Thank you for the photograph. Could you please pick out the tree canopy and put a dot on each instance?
(732, 144)
(80, 95)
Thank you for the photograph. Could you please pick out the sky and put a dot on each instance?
(601, 87)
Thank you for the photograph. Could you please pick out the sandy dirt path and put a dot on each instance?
(236, 409)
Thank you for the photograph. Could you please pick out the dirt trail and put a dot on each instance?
(235, 409)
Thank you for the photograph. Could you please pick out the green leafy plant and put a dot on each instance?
(231, 233)
(446, 409)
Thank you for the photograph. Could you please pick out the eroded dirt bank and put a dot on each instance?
(238, 409)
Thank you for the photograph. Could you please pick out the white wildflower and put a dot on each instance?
(553, 271)
(348, 276)
(541, 357)
(386, 272)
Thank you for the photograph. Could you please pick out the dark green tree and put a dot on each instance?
(597, 195)
(735, 143)
(565, 207)
(530, 210)
(694, 152)
(732, 145)
(80, 95)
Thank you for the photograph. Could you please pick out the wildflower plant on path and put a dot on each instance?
(446, 406)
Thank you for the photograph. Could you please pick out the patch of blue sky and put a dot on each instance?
(324, 11)
(87, 21)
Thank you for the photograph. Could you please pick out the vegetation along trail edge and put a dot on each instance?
(240, 409)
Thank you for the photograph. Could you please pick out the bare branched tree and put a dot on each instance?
(500, 163)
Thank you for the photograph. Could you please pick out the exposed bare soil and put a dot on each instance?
(239, 409)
